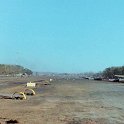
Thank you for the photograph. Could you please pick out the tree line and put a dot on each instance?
(112, 71)
(13, 69)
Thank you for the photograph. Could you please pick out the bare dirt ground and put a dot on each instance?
(63, 102)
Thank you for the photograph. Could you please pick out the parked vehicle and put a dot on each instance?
(98, 78)
(114, 80)
(121, 80)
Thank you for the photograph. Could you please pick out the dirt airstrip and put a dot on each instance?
(63, 102)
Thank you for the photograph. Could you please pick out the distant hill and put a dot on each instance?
(13, 69)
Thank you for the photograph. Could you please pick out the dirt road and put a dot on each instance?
(65, 102)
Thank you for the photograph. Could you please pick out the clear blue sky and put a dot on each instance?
(62, 35)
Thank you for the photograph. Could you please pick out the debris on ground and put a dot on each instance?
(12, 122)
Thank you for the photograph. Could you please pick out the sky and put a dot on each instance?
(71, 36)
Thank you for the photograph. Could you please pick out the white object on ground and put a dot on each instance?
(51, 80)
(30, 84)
